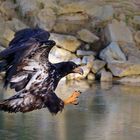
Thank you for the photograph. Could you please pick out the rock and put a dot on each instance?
(73, 17)
(122, 17)
(112, 53)
(7, 9)
(121, 69)
(118, 32)
(16, 24)
(67, 42)
(44, 4)
(77, 61)
(70, 23)
(83, 53)
(136, 20)
(73, 7)
(88, 60)
(137, 37)
(28, 7)
(101, 13)
(98, 65)
(87, 46)
(106, 76)
(131, 52)
(46, 19)
(87, 36)
(91, 76)
(106, 12)
(40, 13)
(77, 76)
(58, 55)
(1, 48)
(130, 79)
(90, 8)
(6, 35)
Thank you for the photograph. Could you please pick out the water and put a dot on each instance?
(105, 112)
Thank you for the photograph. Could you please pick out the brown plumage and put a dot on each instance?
(30, 73)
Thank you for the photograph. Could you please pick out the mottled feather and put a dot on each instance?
(30, 73)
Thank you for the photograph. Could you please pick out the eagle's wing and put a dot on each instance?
(25, 102)
(13, 60)
(22, 46)
(24, 39)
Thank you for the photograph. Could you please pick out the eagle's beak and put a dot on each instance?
(78, 70)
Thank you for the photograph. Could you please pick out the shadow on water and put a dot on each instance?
(106, 112)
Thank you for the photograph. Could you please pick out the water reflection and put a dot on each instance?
(106, 112)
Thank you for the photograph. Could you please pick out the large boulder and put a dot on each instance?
(97, 65)
(112, 53)
(70, 23)
(136, 21)
(131, 52)
(72, 7)
(87, 36)
(45, 18)
(40, 13)
(77, 61)
(83, 53)
(28, 7)
(92, 9)
(118, 32)
(7, 9)
(130, 79)
(106, 76)
(67, 42)
(122, 69)
(104, 13)
(88, 60)
(58, 55)
(91, 76)
(6, 34)
(137, 38)
(15, 24)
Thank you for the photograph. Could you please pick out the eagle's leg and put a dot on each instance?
(73, 99)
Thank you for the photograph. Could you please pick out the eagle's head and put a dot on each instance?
(65, 68)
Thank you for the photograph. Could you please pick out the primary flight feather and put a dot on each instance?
(30, 73)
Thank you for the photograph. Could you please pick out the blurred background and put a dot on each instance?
(103, 36)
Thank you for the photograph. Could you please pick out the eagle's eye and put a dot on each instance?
(74, 66)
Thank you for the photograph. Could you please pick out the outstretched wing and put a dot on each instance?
(25, 102)
(23, 45)
(24, 39)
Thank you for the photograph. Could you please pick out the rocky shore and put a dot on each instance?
(101, 36)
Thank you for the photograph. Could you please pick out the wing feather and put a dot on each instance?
(28, 102)
(23, 45)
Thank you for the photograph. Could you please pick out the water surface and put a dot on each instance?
(105, 112)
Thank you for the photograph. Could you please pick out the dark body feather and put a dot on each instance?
(30, 73)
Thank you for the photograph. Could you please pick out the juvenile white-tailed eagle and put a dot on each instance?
(30, 73)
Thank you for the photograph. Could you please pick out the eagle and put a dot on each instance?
(34, 78)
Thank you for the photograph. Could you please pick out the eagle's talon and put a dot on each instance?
(76, 103)
(73, 99)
